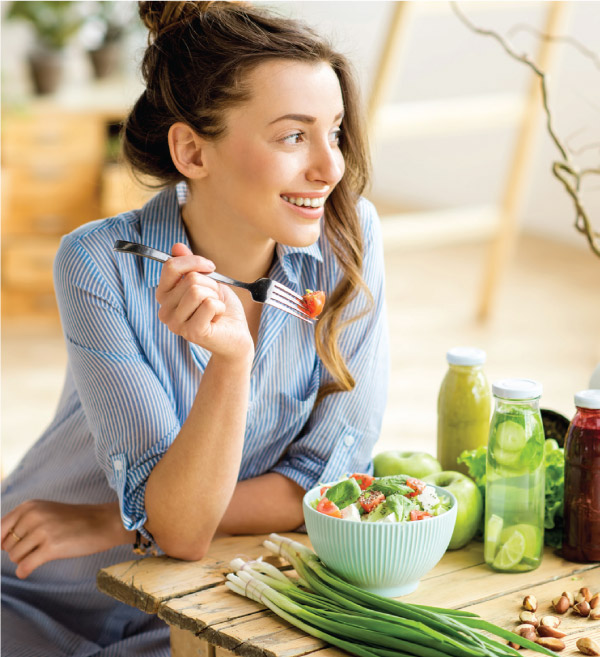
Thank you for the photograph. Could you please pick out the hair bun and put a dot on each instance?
(160, 17)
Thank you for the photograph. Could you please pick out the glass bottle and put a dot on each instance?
(581, 538)
(464, 406)
(514, 497)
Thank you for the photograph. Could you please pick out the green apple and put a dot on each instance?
(469, 508)
(413, 464)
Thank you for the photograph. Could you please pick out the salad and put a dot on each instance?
(397, 498)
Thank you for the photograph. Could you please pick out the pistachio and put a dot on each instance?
(530, 603)
(526, 630)
(594, 613)
(570, 597)
(528, 617)
(550, 621)
(583, 594)
(544, 630)
(595, 601)
(582, 608)
(561, 604)
(551, 643)
(587, 646)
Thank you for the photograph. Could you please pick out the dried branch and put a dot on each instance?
(566, 171)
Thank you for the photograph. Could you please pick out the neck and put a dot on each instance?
(237, 252)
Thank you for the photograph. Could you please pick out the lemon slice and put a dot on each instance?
(510, 436)
(493, 529)
(511, 552)
(531, 535)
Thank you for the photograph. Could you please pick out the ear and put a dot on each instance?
(186, 151)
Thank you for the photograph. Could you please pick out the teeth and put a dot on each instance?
(305, 202)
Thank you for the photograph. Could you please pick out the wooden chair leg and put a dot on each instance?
(503, 243)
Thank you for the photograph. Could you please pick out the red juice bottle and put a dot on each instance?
(581, 539)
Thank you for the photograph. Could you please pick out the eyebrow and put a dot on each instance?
(303, 118)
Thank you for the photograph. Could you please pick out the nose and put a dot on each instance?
(326, 163)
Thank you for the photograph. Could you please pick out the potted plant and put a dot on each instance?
(54, 25)
(110, 20)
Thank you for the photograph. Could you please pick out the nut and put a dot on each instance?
(561, 604)
(595, 601)
(582, 608)
(528, 617)
(570, 597)
(551, 643)
(514, 646)
(587, 646)
(544, 630)
(526, 631)
(530, 603)
(595, 614)
(583, 594)
(550, 621)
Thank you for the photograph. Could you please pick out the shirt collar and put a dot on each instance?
(162, 226)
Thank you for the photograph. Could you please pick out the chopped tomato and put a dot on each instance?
(419, 515)
(314, 302)
(328, 508)
(370, 499)
(323, 489)
(417, 485)
(363, 480)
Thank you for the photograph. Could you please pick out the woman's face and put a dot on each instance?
(270, 175)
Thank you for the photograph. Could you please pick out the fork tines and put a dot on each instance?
(285, 299)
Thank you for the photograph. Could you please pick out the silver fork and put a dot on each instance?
(263, 290)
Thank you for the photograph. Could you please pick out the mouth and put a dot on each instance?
(313, 202)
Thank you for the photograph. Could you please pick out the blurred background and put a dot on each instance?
(480, 243)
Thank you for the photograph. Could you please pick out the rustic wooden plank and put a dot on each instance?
(264, 635)
(476, 583)
(185, 644)
(145, 583)
(504, 610)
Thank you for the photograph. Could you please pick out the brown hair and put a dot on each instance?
(195, 66)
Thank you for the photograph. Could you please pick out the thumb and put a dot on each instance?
(180, 249)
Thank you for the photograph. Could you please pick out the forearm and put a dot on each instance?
(264, 504)
(195, 479)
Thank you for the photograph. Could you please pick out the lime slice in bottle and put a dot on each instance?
(531, 535)
(511, 552)
(492, 537)
(510, 436)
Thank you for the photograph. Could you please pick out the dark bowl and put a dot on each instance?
(555, 425)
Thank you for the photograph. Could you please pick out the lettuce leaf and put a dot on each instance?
(554, 462)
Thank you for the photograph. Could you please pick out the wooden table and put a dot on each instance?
(206, 619)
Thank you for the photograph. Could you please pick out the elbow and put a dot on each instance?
(186, 551)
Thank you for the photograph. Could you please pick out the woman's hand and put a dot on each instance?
(199, 309)
(39, 531)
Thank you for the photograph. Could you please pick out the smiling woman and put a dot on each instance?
(181, 416)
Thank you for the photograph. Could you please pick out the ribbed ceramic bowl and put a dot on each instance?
(388, 558)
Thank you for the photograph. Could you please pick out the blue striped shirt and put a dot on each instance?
(131, 382)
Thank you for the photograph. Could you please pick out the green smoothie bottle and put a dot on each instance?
(464, 407)
(514, 494)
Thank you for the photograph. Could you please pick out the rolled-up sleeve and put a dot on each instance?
(342, 430)
(131, 417)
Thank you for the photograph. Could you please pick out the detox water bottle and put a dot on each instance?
(514, 497)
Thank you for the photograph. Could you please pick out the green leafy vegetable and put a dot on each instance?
(391, 484)
(554, 461)
(344, 493)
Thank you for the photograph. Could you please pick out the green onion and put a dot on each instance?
(365, 624)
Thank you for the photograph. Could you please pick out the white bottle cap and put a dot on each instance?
(465, 356)
(517, 389)
(588, 399)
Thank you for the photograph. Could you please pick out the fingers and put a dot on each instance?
(183, 263)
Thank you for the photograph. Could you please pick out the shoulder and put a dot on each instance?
(369, 221)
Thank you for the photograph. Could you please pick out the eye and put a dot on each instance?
(294, 138)
(336, 136)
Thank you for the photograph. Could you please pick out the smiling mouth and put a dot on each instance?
(305, 202)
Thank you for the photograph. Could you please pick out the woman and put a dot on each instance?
(188, 409)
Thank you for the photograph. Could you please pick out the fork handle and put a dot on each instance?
(154, 254)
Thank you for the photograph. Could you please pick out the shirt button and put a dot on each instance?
(349, 440)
